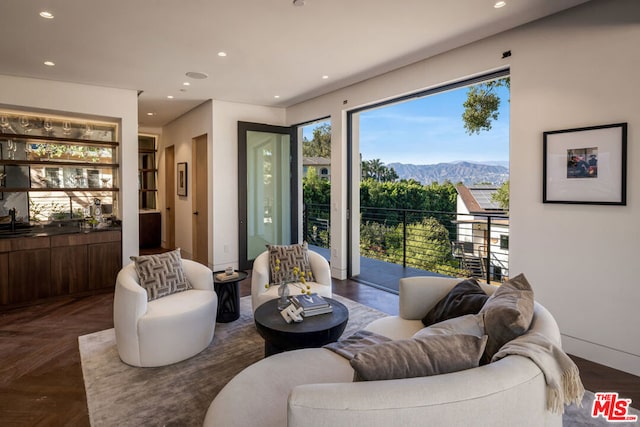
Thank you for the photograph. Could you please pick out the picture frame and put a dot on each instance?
(181, 177)
(585, 165)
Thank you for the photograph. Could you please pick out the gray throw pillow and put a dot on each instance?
(418, 357)
(289, 256)
(470, 324)
(162, 274)
(507, 314)
(466, 297)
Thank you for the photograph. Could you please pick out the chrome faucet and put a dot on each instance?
(12, 214)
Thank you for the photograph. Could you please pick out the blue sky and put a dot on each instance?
(429, 130)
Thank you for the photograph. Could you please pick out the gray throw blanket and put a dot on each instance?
(362, 339)
(561, 374)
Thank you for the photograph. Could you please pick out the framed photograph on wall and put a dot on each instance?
(585, 165)
(182, 179)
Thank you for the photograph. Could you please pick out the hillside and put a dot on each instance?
(466, 172)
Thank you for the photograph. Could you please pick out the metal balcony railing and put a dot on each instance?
(442, 242)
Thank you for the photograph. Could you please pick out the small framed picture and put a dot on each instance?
(586, 165)
(182, 179)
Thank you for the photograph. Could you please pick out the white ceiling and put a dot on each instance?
(273, 47)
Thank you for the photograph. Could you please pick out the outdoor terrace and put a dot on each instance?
(398, 243)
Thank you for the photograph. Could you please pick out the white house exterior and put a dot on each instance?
(482, 230)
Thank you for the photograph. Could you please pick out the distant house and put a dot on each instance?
(483, 232)
(321, 164)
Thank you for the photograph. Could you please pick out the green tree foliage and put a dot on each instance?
(320, 145)
(315, 190)
(428, 246)
(502, 196)
(481, 106)
(376, 170)
(408, 194)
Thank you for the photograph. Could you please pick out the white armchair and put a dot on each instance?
(168, 329)
(260, 277)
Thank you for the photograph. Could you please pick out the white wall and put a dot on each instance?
(219, 120)
(578, 68)
(226, 116)
(78, 100)
(180, 134)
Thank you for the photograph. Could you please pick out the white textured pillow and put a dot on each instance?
(470, 324)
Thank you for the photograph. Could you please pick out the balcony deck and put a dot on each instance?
(380, 274)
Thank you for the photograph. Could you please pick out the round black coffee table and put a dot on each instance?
(314, 331)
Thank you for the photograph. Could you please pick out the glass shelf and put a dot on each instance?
(55, 166)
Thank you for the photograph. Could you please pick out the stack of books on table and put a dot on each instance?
(223, 277)
(312, 305)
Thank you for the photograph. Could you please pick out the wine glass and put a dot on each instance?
(66, 127)
(25, 124)
(88, 130)
(4, 123)
(11, 149)
(48, 125)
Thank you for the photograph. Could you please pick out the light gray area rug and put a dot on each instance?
(178, 394)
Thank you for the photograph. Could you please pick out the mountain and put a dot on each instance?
(468, 173)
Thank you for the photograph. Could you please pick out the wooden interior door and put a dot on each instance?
(170, 197)
(199, 200)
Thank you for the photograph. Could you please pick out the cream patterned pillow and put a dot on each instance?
(289, 256)
(161, 275)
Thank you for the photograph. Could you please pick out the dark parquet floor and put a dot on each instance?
(41, 379)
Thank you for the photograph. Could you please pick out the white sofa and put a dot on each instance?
(313, 387)
(260, 277)
(168, 329)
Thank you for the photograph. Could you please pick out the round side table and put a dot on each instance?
(228, 297)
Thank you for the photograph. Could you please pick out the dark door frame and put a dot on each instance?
(243, 128)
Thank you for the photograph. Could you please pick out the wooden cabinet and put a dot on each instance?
(69, 269)
(4, 278)
(33, 268)
(29, 275)
(105, 261)
(150, 230)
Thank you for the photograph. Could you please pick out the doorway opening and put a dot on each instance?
(418, 156)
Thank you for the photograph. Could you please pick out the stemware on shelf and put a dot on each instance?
(66, 128)
(48, 126)
(4, 123)
(88, 130)
(25, 124)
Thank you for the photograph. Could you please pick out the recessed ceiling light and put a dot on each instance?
(325, 77)
(500, 4)
(150, 114)
(46, 14)
(197, 75)
(222, 53)
(186, 84)
(298, 2)
(276, 96)
(49, 63)
(170, 96)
